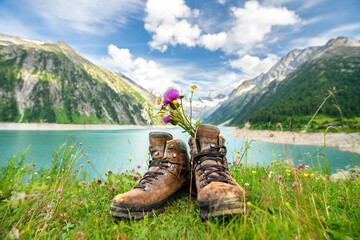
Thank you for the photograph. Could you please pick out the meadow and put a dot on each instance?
(286, 202)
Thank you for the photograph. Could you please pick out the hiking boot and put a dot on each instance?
(218, 194)
(167, 178)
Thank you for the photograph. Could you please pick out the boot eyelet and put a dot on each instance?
(153, 183)
(156, 153)
(146, 188)
(197, 167)
(172, 167)
(159, 178)
(202, 178)
(164, 172)
(174, 155)
(212, 145)
(203, 185)
(171, 146)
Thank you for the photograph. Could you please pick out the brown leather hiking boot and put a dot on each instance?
(218, 194)
(167, 178)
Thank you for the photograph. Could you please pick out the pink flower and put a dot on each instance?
(279, 177)
(79, 234)
(133, 170)
(99, 181)
(83, 183)
(109, 172)
(135, 177)
(260, 179)
(126, 170)
(26, 196)
(295, 184)
(36, 192)
(238, 156)
(235, 162)
(59, 190)
(139, 166)
(170, 95)
(89, 185)
(301, 165)
(34, 195)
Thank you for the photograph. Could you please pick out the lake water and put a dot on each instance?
(112, 149)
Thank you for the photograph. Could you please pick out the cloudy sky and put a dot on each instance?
(215, 44)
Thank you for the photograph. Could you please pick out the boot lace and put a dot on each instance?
(206, 171)
(150, 176)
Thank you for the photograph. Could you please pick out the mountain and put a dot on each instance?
(45, 82)
(203, 106)
(293, 89)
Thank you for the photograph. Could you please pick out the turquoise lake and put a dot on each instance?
(112, 149)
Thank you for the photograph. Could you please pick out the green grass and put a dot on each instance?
(319, 208)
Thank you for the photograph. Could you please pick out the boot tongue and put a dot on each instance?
(157, 143)
(207, 136)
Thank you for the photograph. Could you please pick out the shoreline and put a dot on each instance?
(61, 127)
(344, 142)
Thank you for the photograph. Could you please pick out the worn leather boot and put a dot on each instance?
(218, 194)
(167, 178)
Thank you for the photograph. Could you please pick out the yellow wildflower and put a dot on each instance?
(330, 178)
(288, 170)
(272, 162)
(192, 91)
(160, 115)
(312, 174)
(253, 171)
(277, 164)
(175, 101)
(342, 170)
(249, 204)
(237, 154)
(159, 101)
(1, 192)
(288, 174)
(193, 87)
(306, 175)
(287, 204)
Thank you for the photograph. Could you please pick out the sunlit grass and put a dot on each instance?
(286, 202)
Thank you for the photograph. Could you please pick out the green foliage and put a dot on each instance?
(60, 203)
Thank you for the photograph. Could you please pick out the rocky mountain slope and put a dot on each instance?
(293, 86)
(45, 82)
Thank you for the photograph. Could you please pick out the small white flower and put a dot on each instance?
(14, 233)
(145, 115)
(246, 184)
(35, 173)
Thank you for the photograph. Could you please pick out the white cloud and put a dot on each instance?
(168, 22)
(253, 22)
(253, 65)
(221, 1)
(93, 16)
(148, 74)
(213, 41)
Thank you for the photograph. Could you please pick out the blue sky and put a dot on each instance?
(161, 43)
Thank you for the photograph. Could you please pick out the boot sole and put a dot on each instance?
(138, 211)
(223, 207)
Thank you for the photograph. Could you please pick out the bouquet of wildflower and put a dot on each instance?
(172, 110)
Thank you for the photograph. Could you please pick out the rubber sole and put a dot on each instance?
(222, 207)
(138, 211)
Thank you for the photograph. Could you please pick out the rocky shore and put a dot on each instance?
(345, 142)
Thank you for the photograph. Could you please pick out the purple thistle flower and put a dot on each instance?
(170, 95)
(235, 162)
(139, 166)
(34, 195)
(133, 170)
(36, 192)
(135, 177)
(26, 196)
(295, 184)
(89, 185)
(166, 120)
(83, 183)
(59, 190)
(260, 179)
(279, 177)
